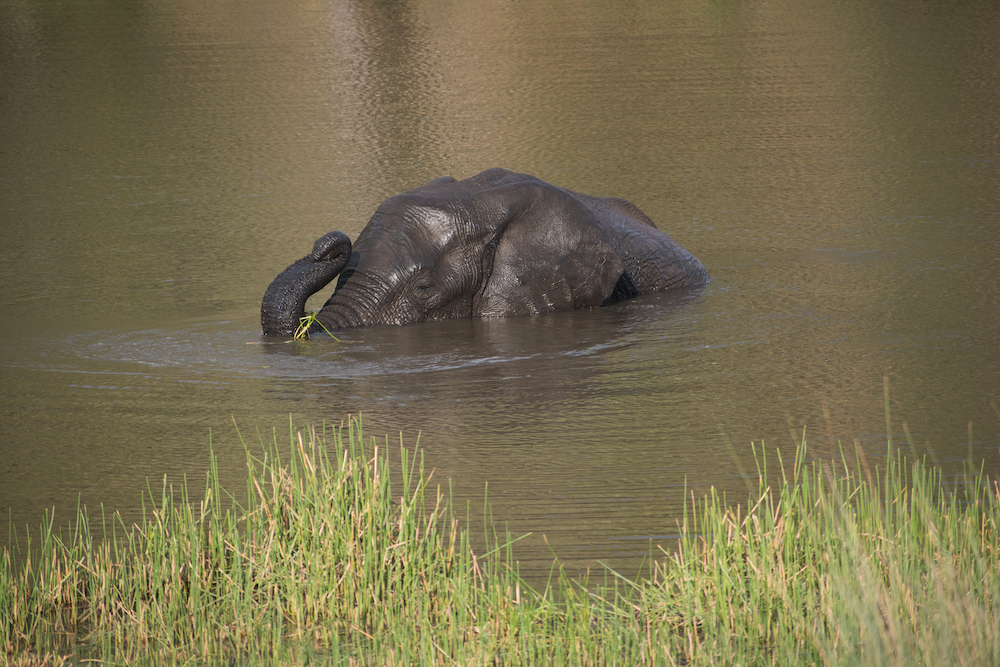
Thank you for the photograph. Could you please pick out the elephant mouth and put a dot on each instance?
(360, 300)
(339, 317)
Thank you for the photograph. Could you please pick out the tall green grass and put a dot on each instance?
(838, 564)
(830, 562)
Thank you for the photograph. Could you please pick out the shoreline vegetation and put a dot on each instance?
(832, 562)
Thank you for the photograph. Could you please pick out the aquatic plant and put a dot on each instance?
(306, 325)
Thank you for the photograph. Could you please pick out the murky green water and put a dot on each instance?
(835, 165)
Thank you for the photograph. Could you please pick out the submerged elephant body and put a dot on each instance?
(494, 245)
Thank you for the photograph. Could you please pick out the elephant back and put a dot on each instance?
(653, 261)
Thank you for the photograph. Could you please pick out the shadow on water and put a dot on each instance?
(460, 346)
(542, 341)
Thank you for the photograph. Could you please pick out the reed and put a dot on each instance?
(831, 562)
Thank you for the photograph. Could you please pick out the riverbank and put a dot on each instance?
(826, 562)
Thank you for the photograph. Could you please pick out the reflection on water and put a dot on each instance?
(837, 171)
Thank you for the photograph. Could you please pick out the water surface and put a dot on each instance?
(835, 168)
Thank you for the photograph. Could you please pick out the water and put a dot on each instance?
(836, 169)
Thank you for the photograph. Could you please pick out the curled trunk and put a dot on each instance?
(285, 300)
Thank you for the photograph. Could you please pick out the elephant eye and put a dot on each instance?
(423, 287)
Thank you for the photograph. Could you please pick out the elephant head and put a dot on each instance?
(494, 245)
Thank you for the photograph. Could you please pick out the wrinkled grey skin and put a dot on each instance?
(494, 245)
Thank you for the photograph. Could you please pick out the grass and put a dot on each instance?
(832, 562)
(306, 324)
(837, 564)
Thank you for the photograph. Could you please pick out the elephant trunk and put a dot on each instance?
(285, 300)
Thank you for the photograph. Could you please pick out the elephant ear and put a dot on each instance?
(547, 253)
(653, 261)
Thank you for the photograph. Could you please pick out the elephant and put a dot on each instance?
(496, 244)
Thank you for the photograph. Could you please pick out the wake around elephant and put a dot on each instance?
(494, 245)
